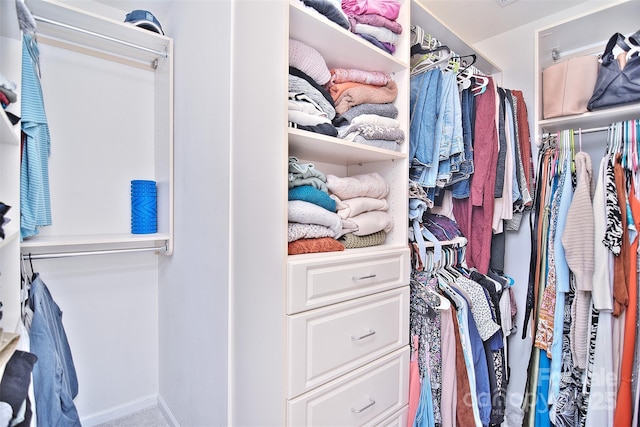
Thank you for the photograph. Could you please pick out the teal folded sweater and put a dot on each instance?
(311, 194)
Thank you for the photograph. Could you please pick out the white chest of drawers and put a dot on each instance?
(347, 338)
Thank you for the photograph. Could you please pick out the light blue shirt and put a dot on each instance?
(35, 205)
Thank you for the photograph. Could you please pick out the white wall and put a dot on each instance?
(194, 281)
(110, 306)
(514, 53)
(110, 302)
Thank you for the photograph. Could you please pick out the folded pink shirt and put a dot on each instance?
(390, 9)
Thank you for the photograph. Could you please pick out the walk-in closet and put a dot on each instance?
(356, 213)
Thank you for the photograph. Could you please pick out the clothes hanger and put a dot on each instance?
(463, 62)
(418, 49)
(429, 61)
(633, 146)
(444, 304)
(580, 138)
(448, 292)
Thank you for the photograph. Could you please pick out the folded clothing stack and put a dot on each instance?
(311, 107)
(375, 21)
(327, 213)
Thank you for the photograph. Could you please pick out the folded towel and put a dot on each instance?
(309, 213)
(311, 194)
(305, 106)
(305, 119)
(322, 244)
(390, 9)
(332, 9)
(381, 34)
(385, 110)
(369, 131)
(351, 241)
(309, 60)
(375, 20)
(362, 185)
(305, 174)
(361, 94)
(352, 207)
(347, 227)
(298, 85)
(297, 231)
(371, 222)
(342, 75)
(378, 143)
(374, 119)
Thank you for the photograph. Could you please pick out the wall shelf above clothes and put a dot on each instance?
(585, 34)
(74, 28)
(306, 24)
(591, 119)
(568, 39)
(308, 145)
(103, 136)
(59, 244)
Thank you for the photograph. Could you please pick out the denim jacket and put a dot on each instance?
(55, 383)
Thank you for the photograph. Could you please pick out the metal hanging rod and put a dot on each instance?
(578, 131)
(28, 256)
(162, 54)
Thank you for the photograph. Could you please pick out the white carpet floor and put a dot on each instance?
(149, 417)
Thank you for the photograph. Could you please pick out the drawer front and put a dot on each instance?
(320, 282)
(399, 419)
(366, 396)
(331, 341)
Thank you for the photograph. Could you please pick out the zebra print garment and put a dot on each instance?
(586, 390)
(567, 405)
(613, 235)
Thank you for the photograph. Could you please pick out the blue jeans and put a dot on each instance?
(424, 99)
(55, 383)
(459, 183)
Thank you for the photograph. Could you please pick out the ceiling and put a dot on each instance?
(472, 20)
(477, 20)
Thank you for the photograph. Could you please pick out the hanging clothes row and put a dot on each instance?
(428, 53)
(470, 180)
(471, 153)
(39, 381)
(582, 299)
(460, 320)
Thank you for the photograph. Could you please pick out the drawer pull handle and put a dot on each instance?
(368, 405)
(368, 334)
(368, 276)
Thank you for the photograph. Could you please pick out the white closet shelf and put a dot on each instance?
(8, 133)
(308, 145)
(583, 34)
(11, 232)
(344, 255)
(39, 244)
(59, 23)
(315, 30)
(591, 119)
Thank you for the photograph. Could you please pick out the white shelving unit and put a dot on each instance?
(332, 365)
(10, 245)
(128, 134)
(323, 299)
(10, 67)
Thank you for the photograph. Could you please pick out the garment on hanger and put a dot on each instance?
(35, 204)
(54, 376)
